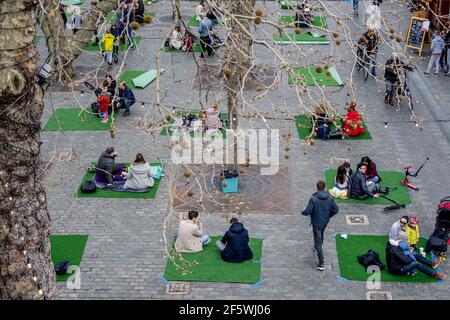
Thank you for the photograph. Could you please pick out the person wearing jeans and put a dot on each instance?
(437, 46)
(356, 7)
(204, 31)
(321, 208)
(126, 98)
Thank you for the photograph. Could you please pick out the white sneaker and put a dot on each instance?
(207, 242)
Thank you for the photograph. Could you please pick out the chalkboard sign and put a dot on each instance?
(416, 35)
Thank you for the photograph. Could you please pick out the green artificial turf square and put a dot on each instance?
(212, 268)
(303, 124)
(128, 77)
(151, 194)
(355, 245)
(166, 132)
(309, 76)
(76, 119)
(67, 247)
(197, 48)
(92, 47)
(306, 38)
(289, 21)
(392, 179)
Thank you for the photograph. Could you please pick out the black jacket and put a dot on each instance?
(396, 259)
(321, 208)
(357, 185)
(106, 163)
(236, 240)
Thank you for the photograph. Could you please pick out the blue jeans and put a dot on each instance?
(375, 179)
(318, 242)
(126, 104)
(420, 264)
(356, 5)
(373, 63)
(204, 238)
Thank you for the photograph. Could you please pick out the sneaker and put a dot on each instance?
(207, 242)
(436, 262)
(320, 267)
(436, 74)
(440, 276)
(426, 73)
(447, 74)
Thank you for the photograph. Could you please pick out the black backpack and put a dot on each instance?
(62, 267)
(89, 187)
(371, 258)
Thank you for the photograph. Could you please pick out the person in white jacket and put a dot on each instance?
(176, 40)
(399, 225)
(190, 234)
(199, 10)
(139, 175)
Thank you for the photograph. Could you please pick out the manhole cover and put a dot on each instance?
(379, 295)
(178, 288)
(257, 193)
(357, 219)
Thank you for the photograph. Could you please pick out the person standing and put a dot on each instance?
(321, 208)
(77, 20)
(204, 30)
(437, 47)
(108, 43)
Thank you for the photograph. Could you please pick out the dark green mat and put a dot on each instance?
(151, 194)
(197, 48)
(93, 47)
(302, 38)
(212, 268)
(304, 125)
(288, 21)
(128, 77)
(67, 247)
(389, 178)
(166, 132)
(355, 245)
(311, 77)
(70, 119)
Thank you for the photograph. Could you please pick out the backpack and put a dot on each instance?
(62, 267)
(89, 187)
(371, 258)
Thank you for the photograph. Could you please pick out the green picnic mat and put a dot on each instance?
(356, 245)
(166, 132)
(144, 79)
(212, 268)
(67, 247)
(151, 194)
(302, 38)
(197, 48)
(288, 21)
(122, 47)
(313, 78)
(304, 126)
(128, 77)
(389, 178)
(76, 119)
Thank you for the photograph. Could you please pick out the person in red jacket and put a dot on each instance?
(103, 102)
(353, 125)
(371, 172)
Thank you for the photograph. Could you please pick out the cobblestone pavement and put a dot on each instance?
(124, 256)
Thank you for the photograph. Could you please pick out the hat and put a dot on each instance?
(414, 220)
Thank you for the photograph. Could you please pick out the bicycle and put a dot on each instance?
(402, 90)
(363, 61)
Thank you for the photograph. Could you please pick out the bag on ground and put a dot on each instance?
(89, 187)
(371, 258)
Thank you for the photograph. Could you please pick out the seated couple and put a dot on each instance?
(233, 246)
(401, 250)
(138, 177)
(206, 120)
(359, 185)
(179, 42)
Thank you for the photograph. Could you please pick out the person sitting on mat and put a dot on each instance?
(401, 261)
(139, 175)
(126, 98)
(341, 182)
(176, 40)
(398, 226)
(321, 122)
(110, 84)
(412, 230)
(359, 188)
(190, 234)
(107, 168)
(353, 125)
(212, 117)
(371, 172)
(348, 168)
(234, 244)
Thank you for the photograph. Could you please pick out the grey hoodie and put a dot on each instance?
(139, 177)
(437, 45)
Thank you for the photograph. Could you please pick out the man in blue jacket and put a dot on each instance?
(126, 98)
(321, 208)
(358, 185)
(234, 244)
(204, 30)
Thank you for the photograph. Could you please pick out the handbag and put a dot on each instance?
(89, 187)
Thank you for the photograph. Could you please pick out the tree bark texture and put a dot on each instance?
(25, 259)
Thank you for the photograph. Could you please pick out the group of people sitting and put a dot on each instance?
(108, 98)
(138, 176)
(350, 126)
(206, 120)
(403, 256)
(360, 185)
(234, 245)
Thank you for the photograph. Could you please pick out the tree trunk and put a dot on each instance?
(238, 58)
(176, 16)
(52, 25)
(26, 270)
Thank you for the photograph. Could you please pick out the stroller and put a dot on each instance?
(437, 242)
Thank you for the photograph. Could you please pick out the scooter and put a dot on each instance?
(406, 181)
